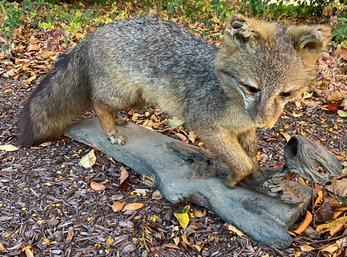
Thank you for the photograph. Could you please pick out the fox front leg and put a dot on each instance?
(226, 145)
(249, 143)
(106, 118)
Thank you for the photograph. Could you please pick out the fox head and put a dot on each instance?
(268, 64)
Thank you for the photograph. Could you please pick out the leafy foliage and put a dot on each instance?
(340, 32)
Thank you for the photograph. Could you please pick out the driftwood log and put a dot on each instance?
(185, 172)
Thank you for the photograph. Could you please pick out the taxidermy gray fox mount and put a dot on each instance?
(221, 94)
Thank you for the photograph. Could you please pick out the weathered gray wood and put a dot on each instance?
(265, 219)
(303, 156)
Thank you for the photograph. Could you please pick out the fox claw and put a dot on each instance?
(117, 139)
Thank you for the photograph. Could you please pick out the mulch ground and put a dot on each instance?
(47, 203)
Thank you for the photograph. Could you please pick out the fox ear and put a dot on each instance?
(238, 32)
(309, 41)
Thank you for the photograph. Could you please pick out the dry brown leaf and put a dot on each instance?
(185, 239)
(304, 225)
(307, 248)
(133, 206)
(181, 137)
(192, 136)
(342, 51)
(3, 248)
(123, 175)
(199, 214)
(339, 211)
(29, 80)
(197, 248)
(117, 206)
(330, 249)
(338, 187)
(335, 96)
(324, 213)
(88, 160)
(21, 61)
(176, 240)
(319, 199)
(286, 136)
(172, 246)
(336, 229)
(97, 186)
(333, 225)
(28, 252)
(33, 47)
(135, 116)
(342, 243)
(157, 195)
(70, 234)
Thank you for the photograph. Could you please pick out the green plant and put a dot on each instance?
(340, 32)
(275, 9)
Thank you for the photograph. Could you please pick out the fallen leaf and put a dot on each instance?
(70, 234)
(88, 160)
(307, 95)
(329, 250)
(176, 240)
(286, 136)
(33, 47)
(342, 243)
(157, 195)
(199, 214)
(342, 51)
(304, 225)
(185, 239)
(342, 113)
(123, 175)
(109, 240)
(307, 248)
(3, 248)
(97, 186)
(235, 230)
(181, 137)
(135, 116)
(319, 198)
(339, 211)
(141, 191)
(8, 148)
(27, 251)
(172, 246)
(331, 226)
(332, 107)
(338, 187)
(324, 213)
(117, 206)
(133, 206)
(29, 80)
(191, 136)
(183, 217)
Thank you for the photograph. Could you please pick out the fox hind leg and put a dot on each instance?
(106, 117)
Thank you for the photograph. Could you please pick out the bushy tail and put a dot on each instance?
(61, 96)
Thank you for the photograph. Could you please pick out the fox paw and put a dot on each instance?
(231, 181)
(116, 138)
(121, 122)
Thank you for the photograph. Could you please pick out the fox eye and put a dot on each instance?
(285, 94)
(249, 88)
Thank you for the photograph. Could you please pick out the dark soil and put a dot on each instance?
(45, 193)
